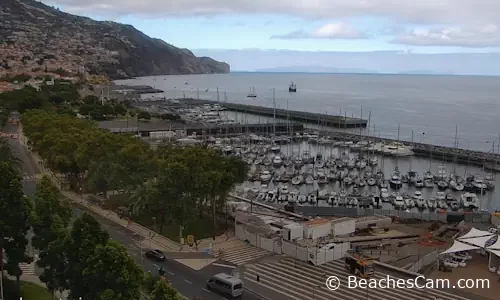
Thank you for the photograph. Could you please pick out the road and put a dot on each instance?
(187, 281)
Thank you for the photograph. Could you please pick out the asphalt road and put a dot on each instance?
(187, 281)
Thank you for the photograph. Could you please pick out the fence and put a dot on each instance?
(402, 215)
(423, 262)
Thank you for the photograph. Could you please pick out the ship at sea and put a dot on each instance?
(292, 88)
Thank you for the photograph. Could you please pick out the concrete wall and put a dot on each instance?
(295, 251)
(377, 221)
(423, 262)
(343, 227)
(317, 231)
(320, 256)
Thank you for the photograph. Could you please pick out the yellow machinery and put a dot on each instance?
(360, 265)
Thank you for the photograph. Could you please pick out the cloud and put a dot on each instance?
(473, 37)
(328, 31)
(421, 11)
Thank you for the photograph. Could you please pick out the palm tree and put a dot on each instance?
(7, 155)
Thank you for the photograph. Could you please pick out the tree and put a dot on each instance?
(53, 258)
(7, 155)
(120, 109)
(15, 210)
(144, 115)
(90, 99)
(85, 235)
(110, 273)
(164, 291)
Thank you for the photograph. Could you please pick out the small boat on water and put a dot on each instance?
(373, 161)
(302, 199)
(419, 183)
(322, 179)
(292, 88)
(252, 93)
(277, 161)
(284, 190)
(371, 182)
(456, 186)
(299, 179)
(309, 180)
(384, 195)
(409, 203)
(312, 199)
(265, 176)
(431, 203)
(419, 199)
(292, 196)
(399, 201)
(442, 185)
(428, 183)
(470, 200)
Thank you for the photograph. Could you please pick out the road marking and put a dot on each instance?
(170, 273)
(188, 281)
(223, 265)
(156, 265)
(206, 290)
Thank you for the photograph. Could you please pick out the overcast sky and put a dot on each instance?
(416, 26)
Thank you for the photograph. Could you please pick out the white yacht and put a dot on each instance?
(292, 196)
(397, 149)
(409, 203)
(470, 200)
(374, 161)
(277, 161)
(284, 190)
(419, 199)
(432, 203)
(456, 186)
(384, 194)
(265, 176)
(309, 179)
(399, 201)
(441, 173)
(299, 179)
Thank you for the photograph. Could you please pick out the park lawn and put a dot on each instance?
(200, 228)
(29, 291)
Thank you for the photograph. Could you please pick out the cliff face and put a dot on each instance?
(34, 36)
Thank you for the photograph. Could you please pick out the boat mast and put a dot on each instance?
(411, 160)
(274, 111)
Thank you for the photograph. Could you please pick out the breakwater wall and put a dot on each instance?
(298, 116)
(463, 156)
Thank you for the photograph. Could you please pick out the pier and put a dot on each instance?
(463, 156)
(299, 116)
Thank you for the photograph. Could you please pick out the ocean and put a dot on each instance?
(432, 107)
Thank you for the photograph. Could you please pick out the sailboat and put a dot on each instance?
(292, 88)
(252, 93)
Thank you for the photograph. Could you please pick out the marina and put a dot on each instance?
(309, 172)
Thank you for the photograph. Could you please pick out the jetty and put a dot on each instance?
(298, 116)
(463, 156)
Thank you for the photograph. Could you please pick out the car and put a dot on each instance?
(155, 255)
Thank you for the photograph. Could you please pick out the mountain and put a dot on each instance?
(34, 37)
(315, 69)
(425, 72)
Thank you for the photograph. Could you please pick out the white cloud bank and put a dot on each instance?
(421, 11)
(485, 36)
(328, 31)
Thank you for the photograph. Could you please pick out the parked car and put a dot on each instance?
(450, 263)
(155, 255)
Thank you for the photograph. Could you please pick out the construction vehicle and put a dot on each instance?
(359, 264)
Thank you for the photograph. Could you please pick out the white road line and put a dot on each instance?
(156, 265)
(170, 273)
(223, 265)
(188, 281)
(206, 290)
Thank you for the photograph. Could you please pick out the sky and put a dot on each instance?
(215, 26)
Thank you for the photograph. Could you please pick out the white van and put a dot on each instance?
(226, 284)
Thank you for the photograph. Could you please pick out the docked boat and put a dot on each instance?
(309, 180)
(442, 204)
(322, 179)
(362, 182)
(419, 183)
(409, 203)
(277, 161)
(454, 205)
(412, 177)
(395, 181)
(456, 186)
(275, 148)
(333, 200)
(419, 199)
(284, 190)
(397, 149)
(302, 199)
(431, 203)
(267, 161)
(352, 201)
(429, 183)
(348, 180)
(469, 200)
(384, 195)
(373, 161)
(441, 173)
(399, 201)
(265, 176)
(227, 150)
(292, 196)
(428, 176)
(299, 179)
(442, 185)
(479, 185)
(371, 182)
(271, 196)
(312, 199)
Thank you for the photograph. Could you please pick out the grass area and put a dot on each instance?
(29, 291)
(200, 228)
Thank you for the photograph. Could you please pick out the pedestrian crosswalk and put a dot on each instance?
(300, 281)
(242, 254)
(31, 177)
(28, 269)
